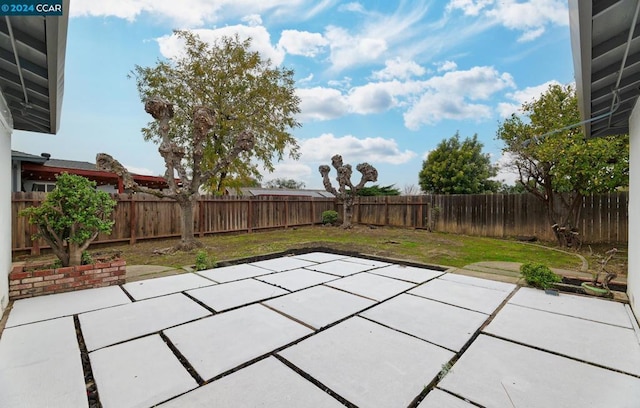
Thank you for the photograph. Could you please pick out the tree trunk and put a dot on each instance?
(187, 240)
(75, 255)
(347, 212)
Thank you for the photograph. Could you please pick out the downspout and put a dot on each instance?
(15, 55)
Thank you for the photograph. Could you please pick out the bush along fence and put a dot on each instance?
(140, 217)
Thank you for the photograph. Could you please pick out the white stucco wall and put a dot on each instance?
(633, 278)
(6, 127)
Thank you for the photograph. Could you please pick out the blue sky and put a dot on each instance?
(380, 81)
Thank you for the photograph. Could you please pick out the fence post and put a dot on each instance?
(286, 212)
(200, 217)
(249, 214)
(132, 220)
(35, 247)
(313, 211)
(386, 210)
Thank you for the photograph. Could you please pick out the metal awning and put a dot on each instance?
(605, 39)
(33, 83)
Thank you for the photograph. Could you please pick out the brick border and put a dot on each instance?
(24, 284)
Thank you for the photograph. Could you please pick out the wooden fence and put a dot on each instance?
(140, 217)
(604, 217)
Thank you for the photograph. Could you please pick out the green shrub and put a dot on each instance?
(539, 275)
(329, 217)
(86, 258)
(204, 262)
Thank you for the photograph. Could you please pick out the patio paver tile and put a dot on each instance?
(64, 304)
(233, 272)
(297, 279)
(590, 308)
(40, 366)
(267, 383)
(500, 374)
(439, 399)
(365, 261)
(139, 373)
(483, 283)
(610, 346)
(285, 263)
(319, 257)
(233, 294)
(222, 342)
(319, 306)
(105, 327)
(340, 267)
(146, 289)
(374, 287)
(408, 273)
(445, 325)
(471, 297)
(368, 364)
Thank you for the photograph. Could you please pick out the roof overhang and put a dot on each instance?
(605, 34)
(33, 171)
(33, 83)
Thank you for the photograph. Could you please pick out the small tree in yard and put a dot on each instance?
(369, 173)
(71, 217)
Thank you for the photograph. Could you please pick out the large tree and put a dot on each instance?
(556, 163)
(458, 167)
(221, 112)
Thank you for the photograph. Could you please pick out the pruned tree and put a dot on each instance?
(557, 164)
(221, 114)
(187, 190)
(344, 194)
(71, 217)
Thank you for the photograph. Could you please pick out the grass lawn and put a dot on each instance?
(413, 245)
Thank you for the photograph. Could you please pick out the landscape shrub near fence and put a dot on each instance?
(140, 217)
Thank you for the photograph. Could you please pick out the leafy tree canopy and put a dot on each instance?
(284, 183)
(552, 156)
(376, 190)
(245, 92)
(458, 167)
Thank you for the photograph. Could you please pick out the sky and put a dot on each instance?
(381, 82)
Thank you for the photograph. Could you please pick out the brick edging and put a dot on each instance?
(24, 284)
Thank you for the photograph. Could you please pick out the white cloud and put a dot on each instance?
(400, 69)
(252, 20)
(447, 66)
(186, 13)
(432, 108)
(519, 97)
(506, 173)
(353, 7)
(475, 83)
(348, 50)
(370, 98)
(321, 103)
(302, 43)
(306, 79)
(353, 150)
(531, 17)
(171, 46)
(289, 169)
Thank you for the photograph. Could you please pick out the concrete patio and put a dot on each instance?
(319, 330)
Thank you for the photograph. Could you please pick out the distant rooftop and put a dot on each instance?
(257, 191)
